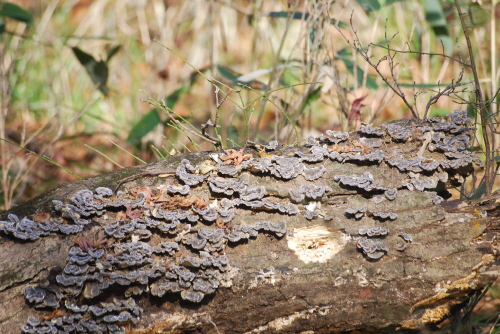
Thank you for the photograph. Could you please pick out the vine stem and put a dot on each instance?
(479, 96)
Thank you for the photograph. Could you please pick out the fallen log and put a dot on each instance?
(351, 231)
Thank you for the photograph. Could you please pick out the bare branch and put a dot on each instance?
(185, 128)
(215, 141)
(422, 53)
(358, 47)
(447, 91)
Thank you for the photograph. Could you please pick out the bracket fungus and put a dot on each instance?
(406, 236)
(187, 173)
(175, 242)
(391, 193)
(364, 181)
(385, 215)
(369, 129)
(370, 232)
(398, 132)
(374, 249)
(317, 154)
(358, 213)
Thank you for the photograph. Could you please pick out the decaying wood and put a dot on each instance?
(315, 277)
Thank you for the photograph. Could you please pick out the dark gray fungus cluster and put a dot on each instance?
(369, 129)
(135, 265)
(457, 125)
(273, 144)
(401, 246)
(421, 182)
(406, 236)
(26, 229)
(193, 276)
(391, 193)
(311, 140)
(332, 137)
(112, 315)
(227, 186)
(397, 132)
(264, 204)
(308, 191)
(188, 173)
(230, 170)
(374, 231)
(385, 215)
(377, 156)
(436, 199)
(364, 181)
(373, 248)
(358, 213)
(455, 148)
(139, 268)
(84, 204)
(416, 165)
(280, 167)
(313, 173)
(70, 324)
(317, 154)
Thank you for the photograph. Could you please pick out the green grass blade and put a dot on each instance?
(104, 155)
(49, 160)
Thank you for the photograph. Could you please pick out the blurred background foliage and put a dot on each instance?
(95, 85)
(88, 86)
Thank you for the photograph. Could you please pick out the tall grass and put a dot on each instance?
(285, 75)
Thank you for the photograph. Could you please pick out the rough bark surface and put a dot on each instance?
(348, 232)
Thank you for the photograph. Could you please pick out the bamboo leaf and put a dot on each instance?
(390, 2)
(434, 16)
(369, 5)
(480, 191)
(152, 119)
(15, 12)
(112, 52)
(234, 77)
(312, 97)
(97, 70)
(143, 127)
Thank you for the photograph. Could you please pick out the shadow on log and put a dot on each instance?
(348, 232)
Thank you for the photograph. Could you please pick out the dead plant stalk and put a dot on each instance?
(480, 100)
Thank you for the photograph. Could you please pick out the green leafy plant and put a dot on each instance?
(14, 12)
(98, 70)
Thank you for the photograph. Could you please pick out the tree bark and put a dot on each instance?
(309, 247)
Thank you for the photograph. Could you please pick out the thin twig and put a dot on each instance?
(182, 126)
(495, 324)
(215, 141)
(423, 53)
(357, 46)
(482, 106)
(272, 77)
(447, 91)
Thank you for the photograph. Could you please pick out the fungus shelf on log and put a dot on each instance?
(258, 244)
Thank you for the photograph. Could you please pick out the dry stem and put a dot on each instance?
(480, 100)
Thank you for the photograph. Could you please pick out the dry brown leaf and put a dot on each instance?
(234, 157)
